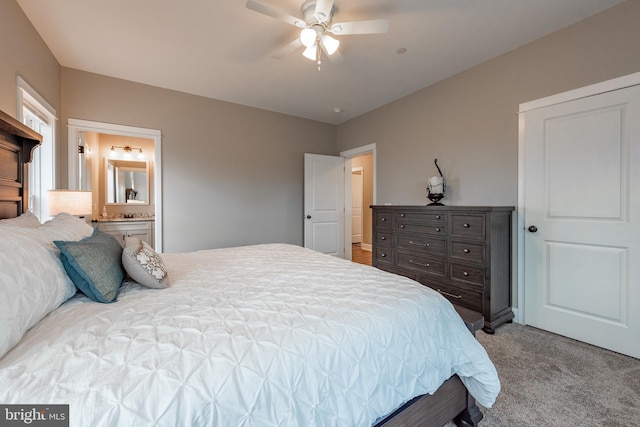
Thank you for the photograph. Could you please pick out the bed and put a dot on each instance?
(270, 334)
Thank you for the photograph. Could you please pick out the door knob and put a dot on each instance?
(308, 216)
(532, 228)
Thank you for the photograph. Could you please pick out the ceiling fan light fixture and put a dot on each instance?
(311, 52)
(308, 37)
(330, 44)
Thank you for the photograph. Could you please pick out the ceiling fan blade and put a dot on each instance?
(273, 12)
(323, 10)
(374, 26)
(287, 49)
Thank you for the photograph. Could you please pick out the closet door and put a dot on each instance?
(582, 219)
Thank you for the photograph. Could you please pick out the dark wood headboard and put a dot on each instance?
(17, 143)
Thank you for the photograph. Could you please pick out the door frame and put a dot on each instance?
(75, 126)
(359, 169)
(583, 92)
(348, 155)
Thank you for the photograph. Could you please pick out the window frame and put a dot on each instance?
(28, 98)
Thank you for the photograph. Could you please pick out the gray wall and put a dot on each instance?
(24, 53)
(469, 122)
(231, 175)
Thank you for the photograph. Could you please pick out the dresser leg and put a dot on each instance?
(488, 330)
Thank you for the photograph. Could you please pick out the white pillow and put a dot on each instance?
(143, 264)
(32, 282)
(66, 227)
(26, 220)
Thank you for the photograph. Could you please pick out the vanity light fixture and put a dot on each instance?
(127, 152)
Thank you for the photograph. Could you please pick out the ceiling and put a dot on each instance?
(220, 49)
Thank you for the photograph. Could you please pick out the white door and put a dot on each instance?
(324, 204)
(357, 184)
(582, 219)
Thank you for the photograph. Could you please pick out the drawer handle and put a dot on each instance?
(437, 216)
(401, 215)
(383, 238)
(464, 273)
(449, 295)
(401, 225)
(417, 263)
(466, 251)
(465, 225)
(411, 242)
(383, 255)
(437, 230)
(383, 219)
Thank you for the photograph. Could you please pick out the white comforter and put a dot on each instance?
(266, 335)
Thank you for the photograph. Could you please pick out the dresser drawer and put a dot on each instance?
(466, 251)
(422, 217)
(421, 243)
(464, 296)
(406, 227)
(468, 274)
(470, 226)
(383, 255)
(384, 238)
(399, 271)
(459, 295)
(382, 219)
(425, 264)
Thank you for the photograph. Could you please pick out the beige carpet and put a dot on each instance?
(549, 380)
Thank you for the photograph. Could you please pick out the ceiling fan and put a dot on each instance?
(315, 26)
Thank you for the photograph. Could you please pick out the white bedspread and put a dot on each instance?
(266, 335)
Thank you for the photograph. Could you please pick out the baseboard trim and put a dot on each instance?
(516, 316)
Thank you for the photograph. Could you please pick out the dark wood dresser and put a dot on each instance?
(463, 252)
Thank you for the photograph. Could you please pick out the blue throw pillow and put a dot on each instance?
(94, 265)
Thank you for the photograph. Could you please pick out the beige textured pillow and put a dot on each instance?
(143, 264)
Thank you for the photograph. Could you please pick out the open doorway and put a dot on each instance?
(357, 204)
(359, 195)
(362, 174)
(80, 134)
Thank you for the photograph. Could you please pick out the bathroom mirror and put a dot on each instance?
(127, 182)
